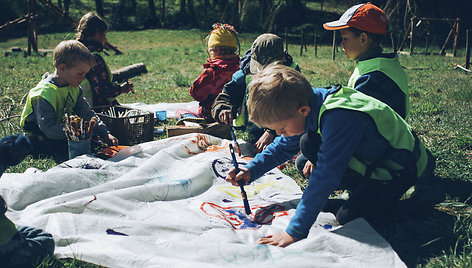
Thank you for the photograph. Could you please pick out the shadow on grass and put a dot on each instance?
(420, 231)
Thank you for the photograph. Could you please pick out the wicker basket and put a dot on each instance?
(129, 130)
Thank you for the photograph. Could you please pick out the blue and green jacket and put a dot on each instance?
(349, 137)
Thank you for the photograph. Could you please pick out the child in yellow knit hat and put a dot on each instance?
(223, 61)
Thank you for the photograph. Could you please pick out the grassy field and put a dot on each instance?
(441, 114)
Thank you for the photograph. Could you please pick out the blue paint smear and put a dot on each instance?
(227, 201)
(327, 226)
(247, 222)
(113, 232)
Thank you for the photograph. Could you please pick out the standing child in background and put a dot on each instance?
(365, 147)
(223, 61)
(57, 94)
(377, 74)
(98, 88)
(20, 246)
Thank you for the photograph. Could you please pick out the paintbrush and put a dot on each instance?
(236, 144)
(247, 208)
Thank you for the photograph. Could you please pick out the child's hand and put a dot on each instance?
(112, 140)
(225, 115)
(308, 168)
(279, 240)
(263, 141)
(127, 87)
(243, 175)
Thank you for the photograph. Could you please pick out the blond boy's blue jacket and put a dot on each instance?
(344, 134)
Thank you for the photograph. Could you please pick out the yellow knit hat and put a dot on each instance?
(223, 35)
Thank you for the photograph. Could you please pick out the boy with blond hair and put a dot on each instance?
(365, 146)
(57, 94)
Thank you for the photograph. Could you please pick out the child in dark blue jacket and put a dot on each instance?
(365, 147)
(20, 246)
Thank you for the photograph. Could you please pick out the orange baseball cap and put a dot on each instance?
(365, 17)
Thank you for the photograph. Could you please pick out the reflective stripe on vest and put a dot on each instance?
(87, 88)
(391, 67)
(242, 118)
(389, 124)
(58, 97)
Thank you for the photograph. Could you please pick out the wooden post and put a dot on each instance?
(393, 43)
(333, 51)
(286, 38)
(456, 36)
(467, 48)
(32, 38)
(404, 38)
(427, 44)
(301, 42)
(316, 44)
(441, 52)
(412, 34)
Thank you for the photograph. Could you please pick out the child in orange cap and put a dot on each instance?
(223, 61)
(377, 74)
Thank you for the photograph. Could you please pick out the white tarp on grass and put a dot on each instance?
(165, 204)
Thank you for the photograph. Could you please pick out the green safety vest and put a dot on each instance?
(87, 89)
(391, 67)
(59, 97)
(390, 125)
(242, 118)
(7, 230)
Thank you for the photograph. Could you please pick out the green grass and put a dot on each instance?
(441, 113)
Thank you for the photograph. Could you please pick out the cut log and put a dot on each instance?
(128, 72)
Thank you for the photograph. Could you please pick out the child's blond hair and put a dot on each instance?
(70, 53)
(276, 93)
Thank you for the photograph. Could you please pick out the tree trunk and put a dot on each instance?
(59, 3)
(152, 11)
(99, 7)
(182, 8)
(272, 15)
(66, 6)
(224, 8)
(163, 12)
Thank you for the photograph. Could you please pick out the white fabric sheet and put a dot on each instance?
(165, 204)
(174, 110)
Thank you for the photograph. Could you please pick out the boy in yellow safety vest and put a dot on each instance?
(365, 147)
(57, 94)
(377, 74)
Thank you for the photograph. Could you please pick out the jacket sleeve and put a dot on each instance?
(207, 83)
(100, 81)
(378, 85)
(231, 98)
(280, 150)
(341, 134)
(46, 119)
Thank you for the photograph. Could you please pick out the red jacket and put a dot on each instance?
(210, 83)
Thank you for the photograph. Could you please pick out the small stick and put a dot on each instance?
(234, 138)
(247, 208)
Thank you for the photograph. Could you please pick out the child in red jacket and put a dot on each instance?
(223, 61)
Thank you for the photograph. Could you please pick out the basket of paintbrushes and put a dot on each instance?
(129, 126)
